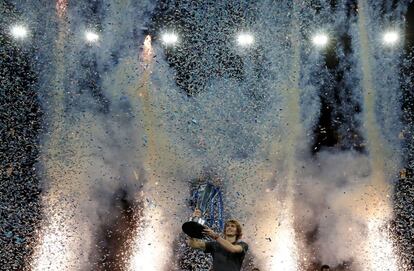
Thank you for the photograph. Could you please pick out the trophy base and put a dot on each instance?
(194, 228)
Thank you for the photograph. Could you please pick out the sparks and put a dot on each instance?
(61, 7)
(57, 246)
(381, 254)
(147, 53)
(285, 250)
(150, 249)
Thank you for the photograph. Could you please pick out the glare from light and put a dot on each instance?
(245, 39)
(379, 247)
(169, 38)
(53, 242)
(19, 31)
(91, 36)
(150, 249)
(390, 37)
(285, 243)
(58, 243)
(320, 40)
(287, 256)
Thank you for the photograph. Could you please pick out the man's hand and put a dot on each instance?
(197, 212)
(196, 243)
(190, 242)
(210, 233)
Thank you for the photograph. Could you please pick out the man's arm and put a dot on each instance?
(229, 246)
(196, 243)
(223, 242)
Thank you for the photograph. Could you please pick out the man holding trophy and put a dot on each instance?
(227, 250)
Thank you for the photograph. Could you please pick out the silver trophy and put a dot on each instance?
(195, 226)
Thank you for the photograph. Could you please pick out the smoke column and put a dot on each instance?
(153, 238)
(285, 247)
(379, 243)
(56, 240)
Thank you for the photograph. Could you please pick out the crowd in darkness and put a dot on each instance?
(20, 127)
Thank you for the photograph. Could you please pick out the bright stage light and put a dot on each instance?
(320, 40)
(19, 31)
(169, 38)
(390, 37)
(91, 36)
(245, 39)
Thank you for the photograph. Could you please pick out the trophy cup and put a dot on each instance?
(195, 226)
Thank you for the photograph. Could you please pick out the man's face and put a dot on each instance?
(231, 229)
(326, 269)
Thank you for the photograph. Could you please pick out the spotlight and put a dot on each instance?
(169, 38)
(91, 36)
(19, 31)
(245, 39)
(390, 37)
(320, 40)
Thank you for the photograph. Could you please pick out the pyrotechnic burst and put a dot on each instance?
(61, 8)
(151, 246)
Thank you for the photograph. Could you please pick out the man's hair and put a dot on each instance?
(325, 267)
(239, 232)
